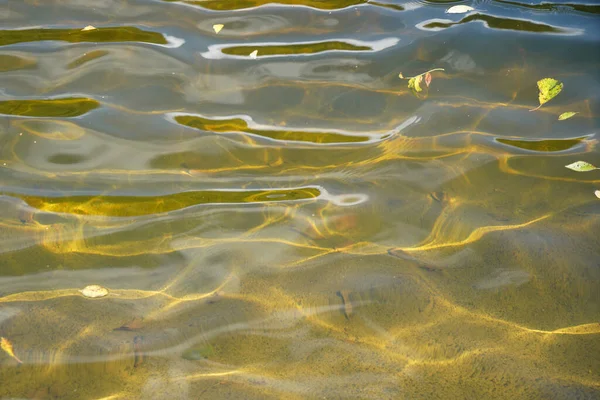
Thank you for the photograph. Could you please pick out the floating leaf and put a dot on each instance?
(549, 89)
(217, 27)
(566, 115)
(415, 83)
(597, 193)
(459, 9)
(254, 54)
(89, 28)
(581, 166)
(8, 348)
(428, 78)
(94, 291)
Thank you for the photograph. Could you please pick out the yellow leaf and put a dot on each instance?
(400, 75)
(89, 28)
(8, 348)
(597, 193)
(254, 54)
(549, 89)
(566, 115)
(217, 27)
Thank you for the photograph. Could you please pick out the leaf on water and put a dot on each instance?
(8, 348)
(254, 54)
(581, 166)
(549, 89)
(217, 27)
(93, 291)
(597, 193)
(428, 78)
(566, 115)
(415, 83)
(459, 9)
(89, 28)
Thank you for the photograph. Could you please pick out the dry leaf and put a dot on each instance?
(428, 79)
(8, 348)
(94, 291)
(400, 75)
(597, 193)
(217, 27)
(254, 54)
(89, 28)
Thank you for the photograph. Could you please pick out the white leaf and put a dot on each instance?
(94, 291)
(89, 28)
(597, 193)
(254, 54)
(459, 9)
(217, 27)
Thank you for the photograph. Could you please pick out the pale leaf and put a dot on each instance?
(89, 28)
(94, 291)
(254, 54)
(597, 193)
(459, 9)
(566, 115)
(428, 79)
(581, 166)
(217, 27)
(400, 75)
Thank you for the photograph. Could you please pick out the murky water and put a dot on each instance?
(297, 223)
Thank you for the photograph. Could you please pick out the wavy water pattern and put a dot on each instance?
(276, 214)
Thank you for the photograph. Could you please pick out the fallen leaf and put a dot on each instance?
(428, 78)
(549, 89)
(89, 28)
(217, 27)
(597, 193)
(400, 75)
(254, 54)
(415, 83)
(94, 291)
(566, 115)
(133, 325)
(459, 9)
(8, 348)
(581, 166)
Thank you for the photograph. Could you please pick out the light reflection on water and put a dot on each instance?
(298, 224)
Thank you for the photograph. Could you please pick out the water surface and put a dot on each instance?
(299, 224)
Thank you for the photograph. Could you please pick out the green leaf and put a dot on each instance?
(549, 89)
(566, 115)
(581, 166)
(415, 83)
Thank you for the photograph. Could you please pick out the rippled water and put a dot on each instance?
(298, 224)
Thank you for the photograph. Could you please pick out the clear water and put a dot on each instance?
(298, 225)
